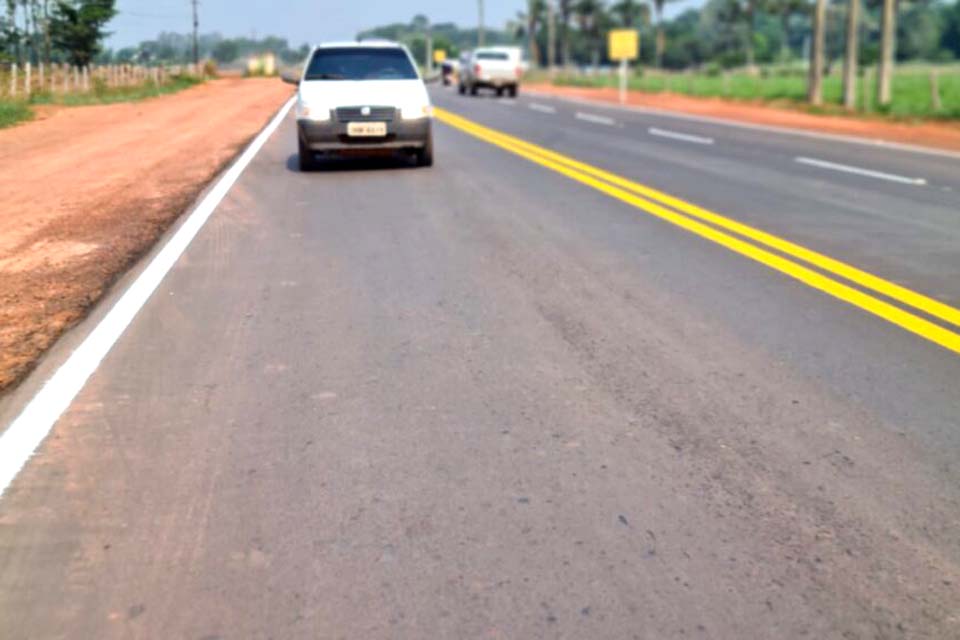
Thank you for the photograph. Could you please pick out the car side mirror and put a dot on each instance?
(289, 78)
(433, 77)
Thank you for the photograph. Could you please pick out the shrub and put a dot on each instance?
(210, 68)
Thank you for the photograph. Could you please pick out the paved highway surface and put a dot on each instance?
(496, 399)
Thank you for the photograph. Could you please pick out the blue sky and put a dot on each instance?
(297, 20)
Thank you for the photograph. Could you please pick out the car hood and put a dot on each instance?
(342, 93)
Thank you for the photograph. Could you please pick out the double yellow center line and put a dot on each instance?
(741, 238)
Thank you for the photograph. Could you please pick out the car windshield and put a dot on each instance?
(492, 55)
(360, 63)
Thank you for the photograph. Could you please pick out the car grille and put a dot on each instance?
(355, 114)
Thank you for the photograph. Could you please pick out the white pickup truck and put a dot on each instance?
(497, 68)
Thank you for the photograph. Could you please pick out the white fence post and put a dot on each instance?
(935, 103)
(13, 80)
(43, 84)
(26, 80)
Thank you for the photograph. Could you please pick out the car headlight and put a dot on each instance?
(416, 112)
(312, 112)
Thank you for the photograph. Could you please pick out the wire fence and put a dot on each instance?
(23, 82)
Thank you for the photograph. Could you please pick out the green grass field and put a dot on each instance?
(912, 96)
(16, 111)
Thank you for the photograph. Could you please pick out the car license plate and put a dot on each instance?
(367, 129)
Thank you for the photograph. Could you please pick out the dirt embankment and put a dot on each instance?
(85, 191)
(938, 135)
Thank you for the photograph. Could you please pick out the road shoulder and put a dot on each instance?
(89, 190)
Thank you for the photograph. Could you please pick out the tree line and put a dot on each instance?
(744, 33)
(177, 48)
(722, 34)
(54, 30)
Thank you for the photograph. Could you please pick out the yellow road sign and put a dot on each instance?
(623, 44)
(439, 55)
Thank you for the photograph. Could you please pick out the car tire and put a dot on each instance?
(473, 89)
(512, 91)
(499, 92)
(462, 89)
(425, 153)
(306, 157)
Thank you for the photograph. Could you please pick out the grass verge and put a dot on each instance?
(912, 92)
(16, 111)
(13, 112)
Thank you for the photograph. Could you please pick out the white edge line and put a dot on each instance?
(845, 168)
(836, 137)
(663, 133)
(36, 420)
(589, 117)
(542, 108)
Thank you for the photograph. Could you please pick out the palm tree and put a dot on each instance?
(589, 14)
(749, 11)
(815, 84)
(527, 25)
(630, 13)
(661, 41)
(887, 42)
(786, 9)
(850, 59)
(13, 33)
(535, 19)
(566, 13)
(46, 31)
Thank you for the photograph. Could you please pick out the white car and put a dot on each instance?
(498, 68)
(362, 96)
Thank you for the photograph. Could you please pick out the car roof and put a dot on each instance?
(513, 52)
(360, 43)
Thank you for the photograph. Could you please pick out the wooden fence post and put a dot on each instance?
(86, 78)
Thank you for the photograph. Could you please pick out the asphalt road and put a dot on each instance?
(487, 400)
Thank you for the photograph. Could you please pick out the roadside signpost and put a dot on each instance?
(623, 45)
(439, 56)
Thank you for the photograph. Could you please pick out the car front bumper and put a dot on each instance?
(331, 135)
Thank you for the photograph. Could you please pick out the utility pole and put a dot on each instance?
(480, 34)
(196, 25)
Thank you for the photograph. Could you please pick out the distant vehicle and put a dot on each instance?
(497, 68)
(448, 69)
(362, 96)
